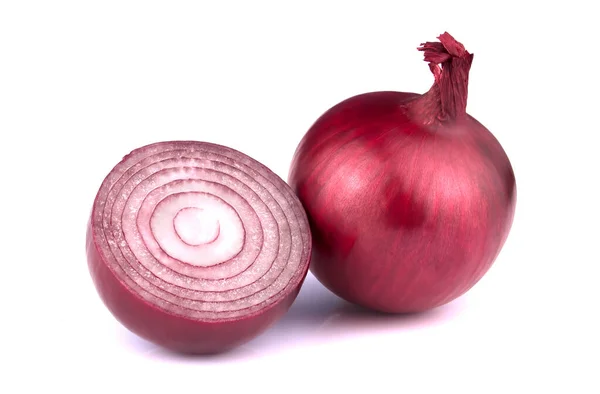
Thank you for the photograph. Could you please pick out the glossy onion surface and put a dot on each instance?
(408, 206)
(196, 246)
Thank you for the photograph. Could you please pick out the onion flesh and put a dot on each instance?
(196, 246)
(409, 198)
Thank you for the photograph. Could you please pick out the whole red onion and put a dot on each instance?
(409, 198)
(196, 246)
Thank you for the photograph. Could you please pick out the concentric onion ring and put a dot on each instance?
(200, 231)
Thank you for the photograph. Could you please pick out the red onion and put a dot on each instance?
(409, 198)
(196, 246)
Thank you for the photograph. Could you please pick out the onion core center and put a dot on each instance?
(196, 227)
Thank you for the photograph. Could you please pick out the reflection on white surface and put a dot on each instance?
(317, 317)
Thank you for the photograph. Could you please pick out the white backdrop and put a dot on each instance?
(83, 83)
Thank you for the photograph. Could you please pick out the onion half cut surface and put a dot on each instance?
(195, 246)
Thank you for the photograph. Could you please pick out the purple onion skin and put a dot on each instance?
(177, 333)
(405, 215)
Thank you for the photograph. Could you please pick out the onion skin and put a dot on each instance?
(248, 257)
(410, 200)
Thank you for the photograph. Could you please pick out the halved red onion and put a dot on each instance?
(196, 246)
